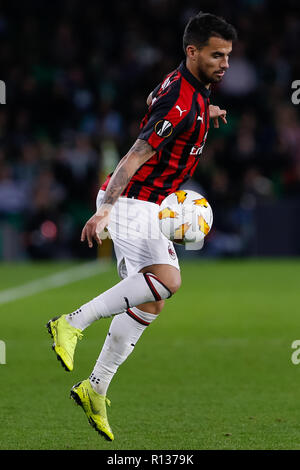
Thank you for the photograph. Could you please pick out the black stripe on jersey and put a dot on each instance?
(137, 187)
(206, 115)
(159, 169)
(170, 98)
(157, 172)
(134, 190)
(173, 96)
(187, 148)
(171, 77)
(191, 171)
(156, 90)
(188, 175)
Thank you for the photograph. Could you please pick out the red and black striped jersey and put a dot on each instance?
(176, 126)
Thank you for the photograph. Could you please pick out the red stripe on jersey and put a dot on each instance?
(205, 116)
(184, 98)
(192, 170)
(165, 84)
(143, 172)
(127, 189)
(191, 161)
(177, 150)
(162, 91)
(176, 156)
(104, 185)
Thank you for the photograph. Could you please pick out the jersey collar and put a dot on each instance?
(193, 80)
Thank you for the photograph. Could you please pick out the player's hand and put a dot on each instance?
(95, 226)
(215, 113)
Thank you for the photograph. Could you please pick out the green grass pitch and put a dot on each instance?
(213, 372)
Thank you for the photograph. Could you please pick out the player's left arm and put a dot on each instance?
(215, 113)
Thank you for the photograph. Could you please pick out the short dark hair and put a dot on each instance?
(205, 25)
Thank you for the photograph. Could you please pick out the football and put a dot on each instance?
(185, 217)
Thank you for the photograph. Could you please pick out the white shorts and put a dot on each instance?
(138, 241)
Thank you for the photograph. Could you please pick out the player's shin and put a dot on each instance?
(124, 332)
(130, 292)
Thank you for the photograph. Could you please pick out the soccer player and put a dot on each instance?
(165, 155)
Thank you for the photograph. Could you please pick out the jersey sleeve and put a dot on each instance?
(168, 116)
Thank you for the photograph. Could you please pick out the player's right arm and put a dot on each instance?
(139, 153)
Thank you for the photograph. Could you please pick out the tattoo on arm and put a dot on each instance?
(143, 149)
(139, 153)
(118, 182)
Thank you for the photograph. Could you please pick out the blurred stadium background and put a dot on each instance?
(77, 77)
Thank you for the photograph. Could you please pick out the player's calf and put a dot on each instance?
(130, 292)
(124, 332)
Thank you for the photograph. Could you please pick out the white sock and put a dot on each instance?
(131, 291)
(125, 330)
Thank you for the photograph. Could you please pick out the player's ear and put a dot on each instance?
(191, 52)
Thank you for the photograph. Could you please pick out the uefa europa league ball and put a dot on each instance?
(185, 217)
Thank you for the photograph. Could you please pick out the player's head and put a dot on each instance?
(207, 43)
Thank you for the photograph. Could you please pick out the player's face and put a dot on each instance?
(212, 61)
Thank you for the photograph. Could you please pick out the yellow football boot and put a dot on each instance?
(65, 339)
(94, 406)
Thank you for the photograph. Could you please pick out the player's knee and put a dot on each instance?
(154, 307)
(163, 284)
(174, 283)
(159, 305)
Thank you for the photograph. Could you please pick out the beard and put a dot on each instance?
(206, 78)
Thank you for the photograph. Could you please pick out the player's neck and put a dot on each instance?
(193, 71)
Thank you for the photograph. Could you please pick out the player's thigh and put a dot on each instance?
(167, 274)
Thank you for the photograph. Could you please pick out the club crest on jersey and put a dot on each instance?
(163, 128)
(171, 251)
